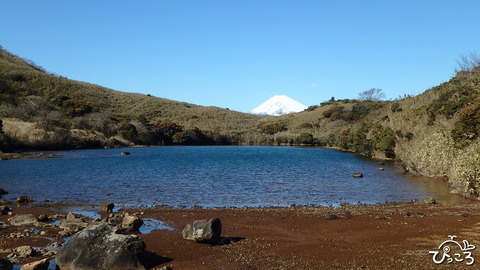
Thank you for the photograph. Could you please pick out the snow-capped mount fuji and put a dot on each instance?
(279, 105)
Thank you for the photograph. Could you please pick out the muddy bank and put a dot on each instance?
(351, 236)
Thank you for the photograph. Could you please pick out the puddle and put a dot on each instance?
(151, 224)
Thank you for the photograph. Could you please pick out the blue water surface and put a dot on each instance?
(213, 176)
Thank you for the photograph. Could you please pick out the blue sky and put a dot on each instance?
(237, 54)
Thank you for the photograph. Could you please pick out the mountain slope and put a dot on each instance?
(279, 105)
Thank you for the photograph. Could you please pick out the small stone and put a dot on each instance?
(131, 223)
(43, 232)
(24, 199)
(381, 169)
(38, 265)
(331, 217)
(125, 153)
(429, 200)
(70, 215)
(25, 251)
(358, 175)
(19, 220)
(107, 206)
(4, 210)
(43, 218)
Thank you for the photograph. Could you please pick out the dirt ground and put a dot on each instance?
(387, 236)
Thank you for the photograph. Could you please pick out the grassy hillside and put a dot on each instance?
(434, 134)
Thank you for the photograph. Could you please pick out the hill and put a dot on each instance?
(435, 133)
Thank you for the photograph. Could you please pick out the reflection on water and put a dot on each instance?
(214, 176)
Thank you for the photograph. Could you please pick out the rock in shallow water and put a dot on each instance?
(99, 247)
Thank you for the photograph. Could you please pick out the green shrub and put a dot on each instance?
(306, 138)
(386, 142)
(334, 112)
(271, 127)
(306, 125)
(467, 127)
(395, 107)
(127, 131)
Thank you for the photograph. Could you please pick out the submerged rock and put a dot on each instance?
(358, 175)
(204, 231)
(20, 220)
(99, 247)
(3, 191)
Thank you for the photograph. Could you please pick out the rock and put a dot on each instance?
(107, 206)
(381, 169)
(25, 219)
(125, 153)
(73, 225)
(70, 215)
(38, 265)
(331, 217)
(204, 231)
(4, 209)
(114, 219)
(25, 251)
(3, 191)
(43, 218)
(358, 175)
(429, 200)
(99, 247)
(24, 199)
(5, 264)
(381, 163)
(131, 223)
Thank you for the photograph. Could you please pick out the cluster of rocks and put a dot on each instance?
(96, 244)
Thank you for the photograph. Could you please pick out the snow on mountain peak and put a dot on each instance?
(279, 105)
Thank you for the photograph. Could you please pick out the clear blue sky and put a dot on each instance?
(237, 54)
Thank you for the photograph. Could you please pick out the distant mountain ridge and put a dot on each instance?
(279, 105)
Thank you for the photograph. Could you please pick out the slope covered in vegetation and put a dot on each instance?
(434, 134)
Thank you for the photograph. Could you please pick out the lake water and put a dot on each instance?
(213, 176)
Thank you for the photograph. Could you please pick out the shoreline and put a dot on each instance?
(389, 235)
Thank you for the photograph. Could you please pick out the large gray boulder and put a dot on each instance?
(204, 231)
(26, 219)
(100, 247)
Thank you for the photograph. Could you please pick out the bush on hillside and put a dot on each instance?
(467, 127)
(306, 138)
(271, 127)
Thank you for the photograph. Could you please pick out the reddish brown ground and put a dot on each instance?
(397, 236)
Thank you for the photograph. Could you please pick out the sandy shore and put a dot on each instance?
(388, 236)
